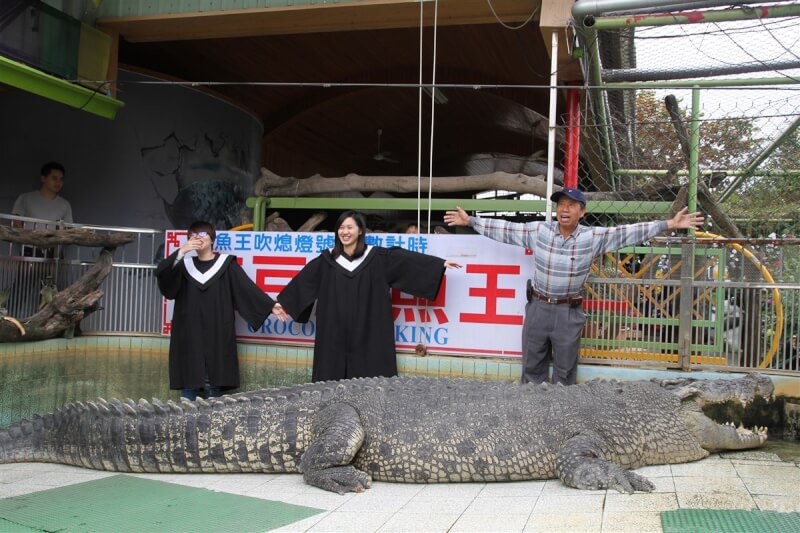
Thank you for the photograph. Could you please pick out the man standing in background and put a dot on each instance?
(45, 203)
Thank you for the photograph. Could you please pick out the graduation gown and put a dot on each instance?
(203, 337)
(355, 326)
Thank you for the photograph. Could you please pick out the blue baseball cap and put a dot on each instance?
(569, 192)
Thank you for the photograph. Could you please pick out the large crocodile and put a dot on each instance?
(341, 435)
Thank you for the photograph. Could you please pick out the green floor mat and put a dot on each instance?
(125, 503)
(728, 521)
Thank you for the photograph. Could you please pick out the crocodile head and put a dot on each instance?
(712, 436)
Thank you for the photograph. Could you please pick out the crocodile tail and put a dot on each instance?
(230, 434)
(17, 442)
(113, 435)
(37, 440)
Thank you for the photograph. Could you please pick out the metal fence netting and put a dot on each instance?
(734, 78)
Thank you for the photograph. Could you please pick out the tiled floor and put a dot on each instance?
(745, 480)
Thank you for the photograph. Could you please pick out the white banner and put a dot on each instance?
(479, 310)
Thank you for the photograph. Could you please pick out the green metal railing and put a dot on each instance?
(260, 204)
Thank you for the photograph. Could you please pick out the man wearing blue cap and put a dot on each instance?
(563, 251)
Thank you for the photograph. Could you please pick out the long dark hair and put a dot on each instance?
(361, 245)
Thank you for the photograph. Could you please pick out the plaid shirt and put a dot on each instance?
(561, 265)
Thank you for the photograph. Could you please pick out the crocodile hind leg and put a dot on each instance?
(337, 437)
(579, 464)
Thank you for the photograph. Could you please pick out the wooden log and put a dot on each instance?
(270, 184)
(274, 222)
(273, 185)
(313, 221)
(53, 237)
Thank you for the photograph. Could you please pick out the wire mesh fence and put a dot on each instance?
(743, 308)
(720, 87)
(703, 108)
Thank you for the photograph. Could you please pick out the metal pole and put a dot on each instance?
(590, 8)
(737, 172)
(713, 83)
(551, 132)
(573, 137)
(619, 75)
(695, 17)
(599, 102)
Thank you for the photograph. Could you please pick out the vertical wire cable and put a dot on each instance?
(419, 123)
(433, 110)
(417, 321)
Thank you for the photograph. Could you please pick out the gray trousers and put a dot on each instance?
(551, 330)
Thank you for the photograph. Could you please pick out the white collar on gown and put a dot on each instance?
(352, 265)
(204, 277)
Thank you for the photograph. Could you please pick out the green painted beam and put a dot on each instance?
(706, 172)
(37, 82)
(695, 17)
(598, 101)
(444, 204)
(708, 82)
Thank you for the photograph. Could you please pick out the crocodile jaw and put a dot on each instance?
(717, 437)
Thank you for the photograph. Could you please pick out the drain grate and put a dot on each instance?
(728, 521)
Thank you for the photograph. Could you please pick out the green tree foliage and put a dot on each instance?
(772, 199)
(724, 143)
(764, 203)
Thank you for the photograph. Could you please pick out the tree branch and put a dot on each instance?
(67, 308)
(52, 237)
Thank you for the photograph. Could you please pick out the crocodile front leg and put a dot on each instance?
(337, 437)
(579, 464)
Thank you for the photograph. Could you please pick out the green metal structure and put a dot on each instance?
(260, 204)
(37, 82)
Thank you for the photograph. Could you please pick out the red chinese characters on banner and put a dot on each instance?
(491, 292)
(166, 325)
(483, 298)
(281, 268)
(173, 241)
(408, 304)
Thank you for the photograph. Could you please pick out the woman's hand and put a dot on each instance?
(194, 243)
(279, 312)
(451, 264)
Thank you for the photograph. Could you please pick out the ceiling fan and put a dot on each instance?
(383, 156)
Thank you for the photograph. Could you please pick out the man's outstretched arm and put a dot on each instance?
(683, 219)
(459, 217)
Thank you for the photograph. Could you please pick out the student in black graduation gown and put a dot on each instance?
(207, 288)
(350, 284)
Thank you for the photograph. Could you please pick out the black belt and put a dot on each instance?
(571, 300)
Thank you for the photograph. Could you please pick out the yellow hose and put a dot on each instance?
(243, 227)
